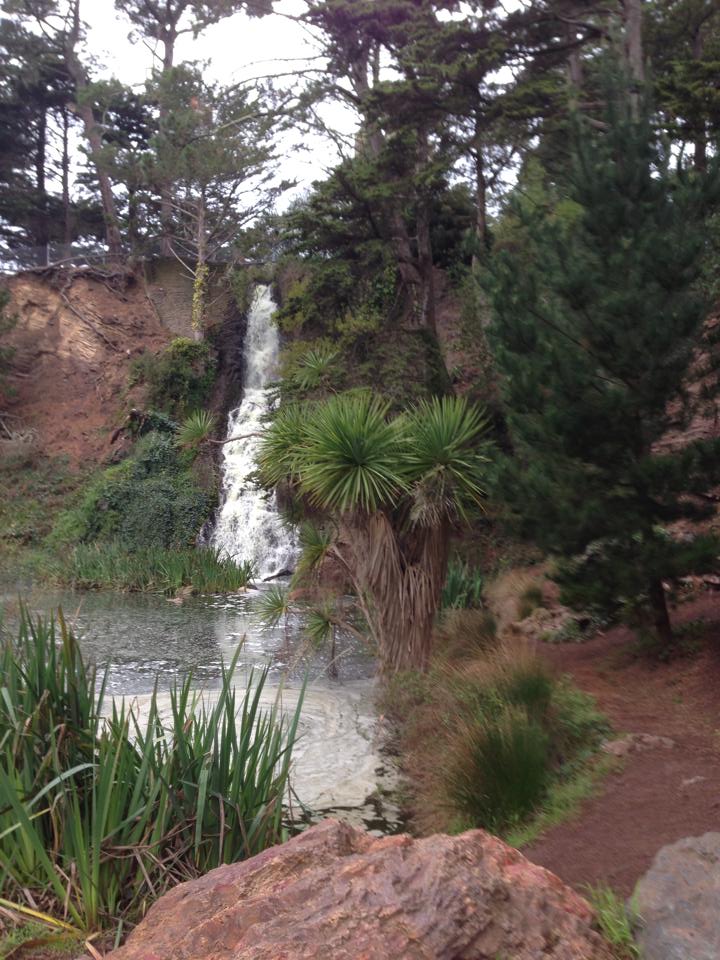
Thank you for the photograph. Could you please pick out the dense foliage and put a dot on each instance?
(599, 333)
(148, 500)
(179, 378)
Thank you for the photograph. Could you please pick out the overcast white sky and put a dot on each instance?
(236, 48)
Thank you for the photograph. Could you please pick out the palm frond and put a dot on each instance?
(320, 625)
(195, 429)
(273, 605)
(280, 447)
(315, 542)
(350, 460)
(314, 367)
(446, 457)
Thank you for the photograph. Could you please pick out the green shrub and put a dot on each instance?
(152, 499)
(98, 817)
(180, 378)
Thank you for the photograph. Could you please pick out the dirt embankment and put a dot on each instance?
(74, 341)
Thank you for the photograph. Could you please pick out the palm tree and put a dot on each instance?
(389, 490)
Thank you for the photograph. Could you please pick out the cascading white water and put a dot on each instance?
(249, 526)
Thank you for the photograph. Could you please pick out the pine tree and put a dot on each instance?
(601, 339)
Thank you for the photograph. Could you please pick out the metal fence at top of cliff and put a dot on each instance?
(17, 259)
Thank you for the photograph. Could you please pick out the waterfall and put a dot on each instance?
(248, 525)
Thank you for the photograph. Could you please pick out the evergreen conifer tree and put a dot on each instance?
(602, 342)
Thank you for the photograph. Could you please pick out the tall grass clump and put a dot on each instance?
(463, 587)
(500, 769)
(489, 736)
(105, 807)
(615, 921)
(518, 731)
(97, 565)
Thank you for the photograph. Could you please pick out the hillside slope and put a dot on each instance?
(74, 340)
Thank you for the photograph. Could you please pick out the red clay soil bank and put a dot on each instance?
(73, 349)
(660, 795)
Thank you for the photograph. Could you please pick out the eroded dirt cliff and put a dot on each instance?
(74, 340)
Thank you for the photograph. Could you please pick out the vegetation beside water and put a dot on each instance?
(490, 737)
(132, 525)
(104, 806)
(152, 569)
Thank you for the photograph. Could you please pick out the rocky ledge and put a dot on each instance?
(337, 893)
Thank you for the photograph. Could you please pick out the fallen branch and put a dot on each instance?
(243, 436)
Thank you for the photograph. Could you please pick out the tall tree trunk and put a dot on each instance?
(426, 266)
(94, 139)
(92, 135)
(67, 221)
(415, 269)
(661, 616)
(166, 191)
(482, 237)
(41, 223)
(426, 306)
(202, 272)
(633, 48)
(133, 232)
(574, 69)
(700, 158)
(397, 586)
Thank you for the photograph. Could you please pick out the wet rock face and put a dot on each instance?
(678, 901)
(336, 892)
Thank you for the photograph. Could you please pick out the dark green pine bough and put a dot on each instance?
(601, 337)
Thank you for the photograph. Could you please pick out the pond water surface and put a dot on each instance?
(339, 765)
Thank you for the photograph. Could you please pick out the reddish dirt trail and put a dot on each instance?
(659, 795)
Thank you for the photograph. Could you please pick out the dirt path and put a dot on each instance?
(660, 795)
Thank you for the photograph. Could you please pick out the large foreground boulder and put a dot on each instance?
(678, 901)
(336, 893)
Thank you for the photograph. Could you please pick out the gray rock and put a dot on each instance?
(636, 743)
(678, 902)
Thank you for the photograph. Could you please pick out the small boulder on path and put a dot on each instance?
(678, 901)
(337, 893)
(636, 743)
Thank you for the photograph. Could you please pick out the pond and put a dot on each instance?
(339, 766)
